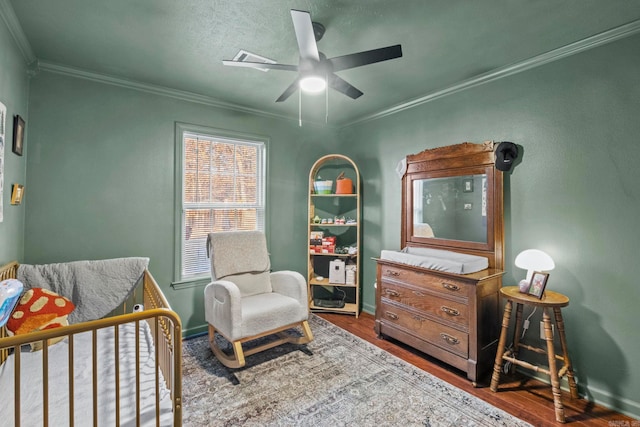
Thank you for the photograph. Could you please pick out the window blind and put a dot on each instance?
(223, 190)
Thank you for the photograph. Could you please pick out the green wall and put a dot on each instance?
(101, 178)
(100, 184)
(14, 94)
(575, 194)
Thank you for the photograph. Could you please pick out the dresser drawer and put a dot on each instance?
(430, 304)
(428, 281)
(450, 339)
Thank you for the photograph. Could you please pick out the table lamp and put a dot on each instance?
(533, 260)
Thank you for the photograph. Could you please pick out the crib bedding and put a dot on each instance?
(95, 286)
(31, 395)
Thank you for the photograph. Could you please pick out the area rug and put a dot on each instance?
(336, 380)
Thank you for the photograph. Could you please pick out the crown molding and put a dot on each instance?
(13, 25)
(153, 89)
(46, 66)
(15, 29)
(35, 66)
(591, 42)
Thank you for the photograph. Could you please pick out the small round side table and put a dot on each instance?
(550, 300)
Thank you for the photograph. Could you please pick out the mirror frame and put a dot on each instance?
(450, 161)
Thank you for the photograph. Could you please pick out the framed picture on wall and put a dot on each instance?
(16, 194)
(538, 283)
(18, 135)
(467, 185)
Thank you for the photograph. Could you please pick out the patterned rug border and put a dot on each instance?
(407, 367)
(375, 395)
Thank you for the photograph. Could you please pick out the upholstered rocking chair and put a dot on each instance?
(245, 301)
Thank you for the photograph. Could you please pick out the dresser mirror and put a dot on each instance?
(452, 200)
(451, 208)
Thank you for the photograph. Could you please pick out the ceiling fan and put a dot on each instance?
(314, 69)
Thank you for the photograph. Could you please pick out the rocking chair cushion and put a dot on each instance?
(262, 313)
(252, 283)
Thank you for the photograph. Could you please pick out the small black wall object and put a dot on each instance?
(506, 155)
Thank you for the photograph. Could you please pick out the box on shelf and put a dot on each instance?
(329, 241)
(350, 274)
(336, 271)
(315, 238)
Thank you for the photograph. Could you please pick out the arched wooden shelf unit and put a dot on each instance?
(337, 217)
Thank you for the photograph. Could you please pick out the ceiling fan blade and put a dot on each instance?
(289, 91)
(367, 57)
(343, 87)
(263, 65)
(304, 34)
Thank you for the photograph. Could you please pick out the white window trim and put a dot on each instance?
(222, 135)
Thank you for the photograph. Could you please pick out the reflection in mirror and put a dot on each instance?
(453, 208)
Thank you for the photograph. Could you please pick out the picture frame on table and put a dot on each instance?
(538, 284)
(18, 135)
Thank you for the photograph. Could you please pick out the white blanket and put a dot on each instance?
(437, 259)
(237, 252)
(31, 382)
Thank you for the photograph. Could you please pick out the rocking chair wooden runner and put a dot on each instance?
(245, 301)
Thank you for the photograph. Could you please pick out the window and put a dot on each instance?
(222, 189)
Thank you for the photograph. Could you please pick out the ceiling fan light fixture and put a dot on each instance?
(315, 70)
(313, 84)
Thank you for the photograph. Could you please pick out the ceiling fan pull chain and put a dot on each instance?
(299, 108)
(326, 100)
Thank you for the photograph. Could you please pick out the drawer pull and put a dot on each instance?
(393, 273)
(418, 293)
(391, 315)
(451, 286)
(392, 293)
(450, 311)
(449, 339)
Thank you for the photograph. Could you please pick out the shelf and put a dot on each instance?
(313, 224)
(346, 235)
(333, 195)
(325, 282)
(340, 255)
(348, 308)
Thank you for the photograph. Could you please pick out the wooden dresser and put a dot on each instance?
(452, 200)
(454, 318)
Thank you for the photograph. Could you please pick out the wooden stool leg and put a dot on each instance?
(497, 367)
(516, 334)
(565, 353)
(553, 371)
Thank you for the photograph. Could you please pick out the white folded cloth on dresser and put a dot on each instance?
(437, 259)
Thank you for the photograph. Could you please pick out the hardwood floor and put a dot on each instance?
(525, 398)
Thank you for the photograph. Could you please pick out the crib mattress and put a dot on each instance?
(31, 396)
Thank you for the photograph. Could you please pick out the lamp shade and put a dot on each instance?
(534, 260)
